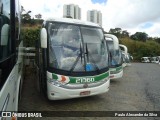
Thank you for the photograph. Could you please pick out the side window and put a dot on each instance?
(18, 20)
(4, 29)
(6, 63)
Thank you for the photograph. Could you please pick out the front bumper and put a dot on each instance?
(117, 75)
(58, 93)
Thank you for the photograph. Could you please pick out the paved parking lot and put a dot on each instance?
(137, 90)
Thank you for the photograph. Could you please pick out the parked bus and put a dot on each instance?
(145, 59)
(72, 59)
(125, 55)
(155, 59)
(11, 61)
(116, 69)
(158, 59)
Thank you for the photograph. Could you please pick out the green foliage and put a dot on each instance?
(30, 35)
(157, 40)
(140, 36)
(119, 32)
(140, 49)
(116, 32)
(26, 18)
(138, 44)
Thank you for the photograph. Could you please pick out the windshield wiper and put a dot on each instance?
(80, 52)
(88, 54)
(77, 59)
(81, 55)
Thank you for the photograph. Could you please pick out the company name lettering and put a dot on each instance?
(84, 80)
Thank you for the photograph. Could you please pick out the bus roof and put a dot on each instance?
(72, 21)
(115, 40)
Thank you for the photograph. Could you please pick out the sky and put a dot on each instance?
(131, 15)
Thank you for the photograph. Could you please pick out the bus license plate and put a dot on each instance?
(84, 93)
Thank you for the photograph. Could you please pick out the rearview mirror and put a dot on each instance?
(43, 37)
(4, 35)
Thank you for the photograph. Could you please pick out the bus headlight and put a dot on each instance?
(55, 82)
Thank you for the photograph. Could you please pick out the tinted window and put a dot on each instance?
(6, 59)
(76, 48)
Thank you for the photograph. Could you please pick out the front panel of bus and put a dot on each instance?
(77, 63)
(116, 69)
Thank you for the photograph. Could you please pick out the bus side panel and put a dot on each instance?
(8, 94)
(11, 59)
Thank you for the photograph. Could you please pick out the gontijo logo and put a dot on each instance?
(84, 80)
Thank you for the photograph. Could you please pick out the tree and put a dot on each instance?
(38, 16)
(25, 15)
(157, 39)
(125, 33)
(140, 36)
(22, 9)
(117, 32)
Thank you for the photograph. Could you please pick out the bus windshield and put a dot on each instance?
(115, 55)
(125, 57)
(76, 48)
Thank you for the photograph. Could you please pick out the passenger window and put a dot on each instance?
(5, 42)
(4, 29)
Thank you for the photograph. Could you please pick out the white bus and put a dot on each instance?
(145, 59)
(11, 61)
(72, 59)
(155, 59)
(116, 69)
(125, 55)
(158, 59)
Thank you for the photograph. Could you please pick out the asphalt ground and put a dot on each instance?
(138, 90)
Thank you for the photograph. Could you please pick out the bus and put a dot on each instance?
(158, 59)
(71, 59)
(11, 59)
(145, 59)
(125, 55)
(116, 69)
(155, 59)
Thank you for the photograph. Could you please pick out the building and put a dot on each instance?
(94, 16)
(72, 11)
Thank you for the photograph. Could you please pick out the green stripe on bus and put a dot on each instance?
(96, 78)
(116, 69)
(54, 76)
(73, 79)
